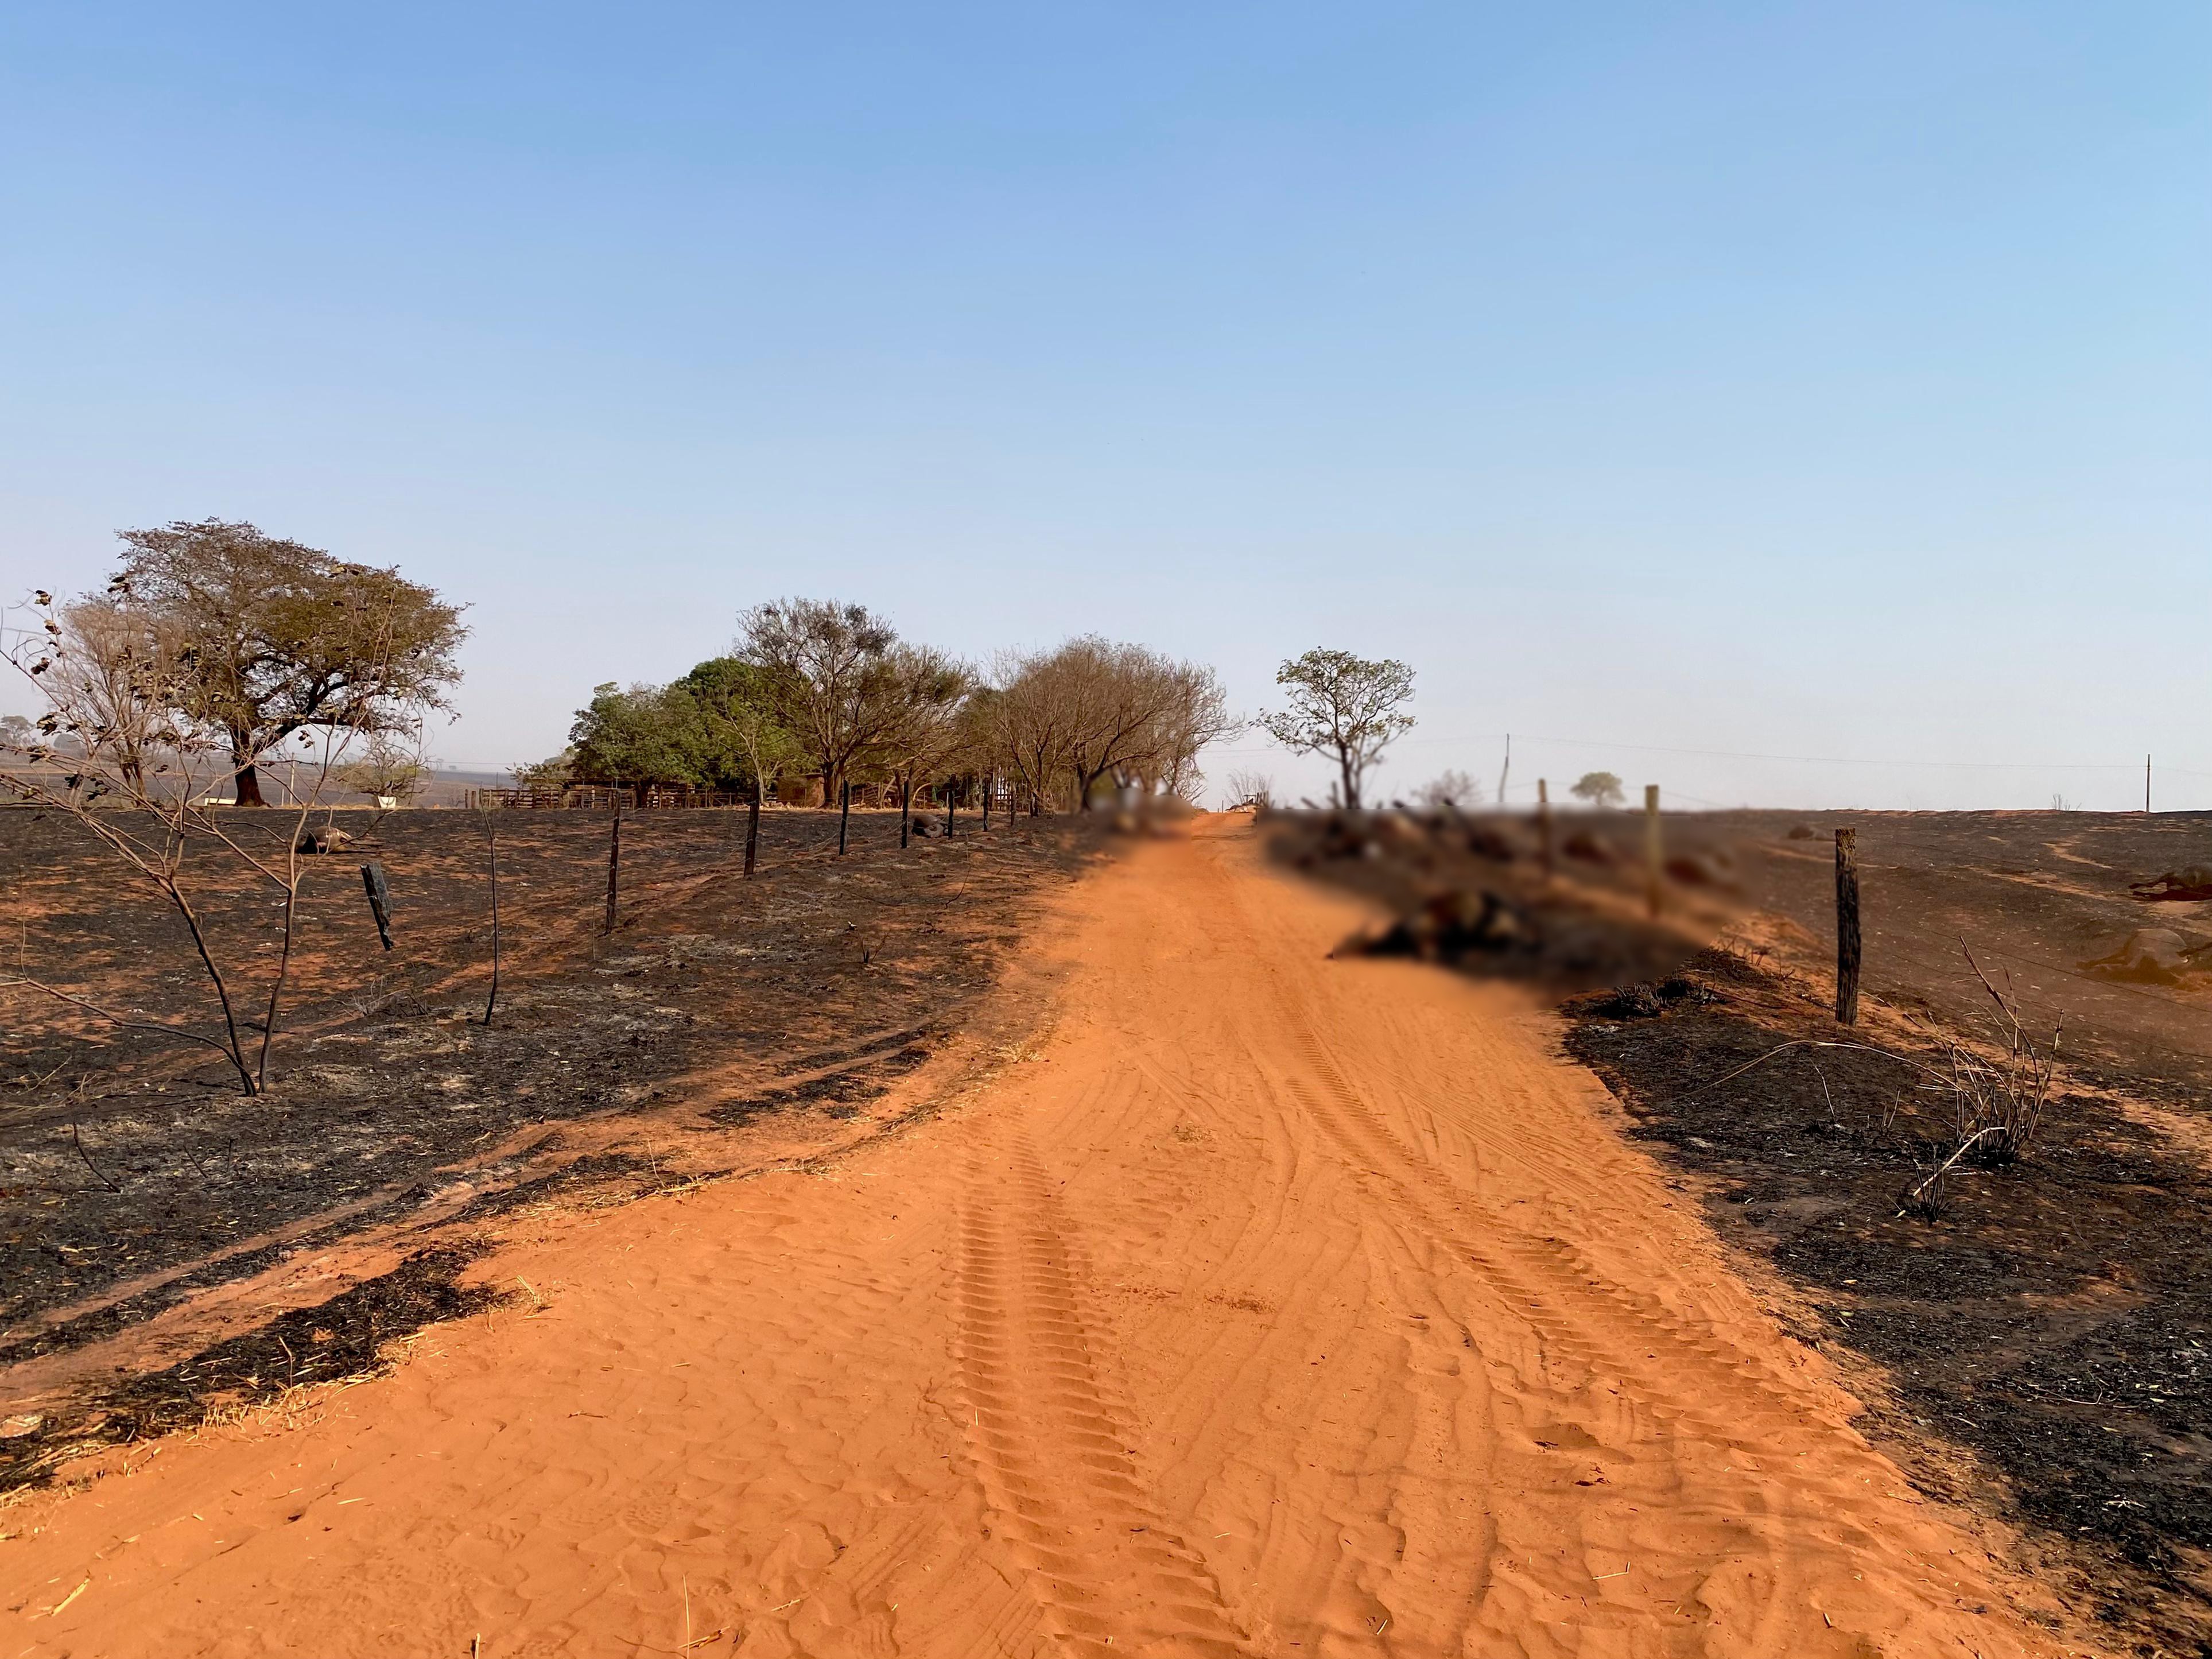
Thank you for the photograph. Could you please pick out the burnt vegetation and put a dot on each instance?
(719, 1011)
(2003, 1238)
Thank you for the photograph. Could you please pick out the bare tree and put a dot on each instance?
(1029, 720)
(1122, 699)
(1065, 718)
(390, 770)
(832, 675)
(119, 661)
(1346, 708)
(1197, 716)
(1450, 788)
(926, 733)
(136, 786)
(1256, 790)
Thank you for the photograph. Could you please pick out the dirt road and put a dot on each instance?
(1270, 1305)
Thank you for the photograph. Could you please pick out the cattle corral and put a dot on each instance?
(170, 1245)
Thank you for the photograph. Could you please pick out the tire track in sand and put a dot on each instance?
(1058, 1473)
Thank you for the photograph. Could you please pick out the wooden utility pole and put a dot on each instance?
(614, 866)
(752, 829)
(1505, 771)
(1544, 824)
(844, 813)
(1654, 849)
(1847, 927)
(2146, 783)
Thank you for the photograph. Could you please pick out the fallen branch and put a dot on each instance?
(77, 1141)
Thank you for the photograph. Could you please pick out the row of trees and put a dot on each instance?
(817, 694)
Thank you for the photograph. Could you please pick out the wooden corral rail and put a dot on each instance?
(604, 797)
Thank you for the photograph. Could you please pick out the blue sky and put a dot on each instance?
(1826, 381)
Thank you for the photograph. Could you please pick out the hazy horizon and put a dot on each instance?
(1792, 408)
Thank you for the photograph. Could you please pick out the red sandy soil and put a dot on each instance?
(1268, 1304)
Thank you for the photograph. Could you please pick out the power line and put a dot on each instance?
(1809, 760)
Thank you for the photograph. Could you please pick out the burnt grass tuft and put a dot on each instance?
(2055, 1319)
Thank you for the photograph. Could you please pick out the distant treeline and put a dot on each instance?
(816, 696)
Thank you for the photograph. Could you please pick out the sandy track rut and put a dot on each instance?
(1279, 1306)
(1054, 1445)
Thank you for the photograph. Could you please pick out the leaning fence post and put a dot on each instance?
(380, 901)
(1654, 851)
(614, 866)
(1847, 928)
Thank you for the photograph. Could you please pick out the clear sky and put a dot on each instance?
(1804, 380)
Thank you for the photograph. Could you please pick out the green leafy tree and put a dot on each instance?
(741, 740)
(636, 737)
(274, 637)
(1346, 708)
(1599, 789)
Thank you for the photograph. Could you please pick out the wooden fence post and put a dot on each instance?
(614, 866)
(752, 828)
(951, 799)
(1654, 851)
(990, 784)
(1847, 928)
(844, 813)
(1544, 824)
(491, 833)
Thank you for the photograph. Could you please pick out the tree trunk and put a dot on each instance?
(1351, 788)
(248, 782)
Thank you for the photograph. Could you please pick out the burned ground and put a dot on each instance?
(134, 1178)
(2042, 1349)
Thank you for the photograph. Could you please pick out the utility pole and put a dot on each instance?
(1504, 770)
(2146, 783)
